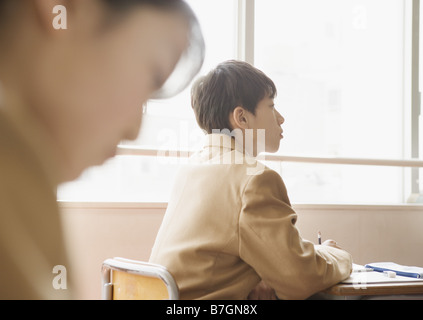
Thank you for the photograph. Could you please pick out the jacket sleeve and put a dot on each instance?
(271, 244)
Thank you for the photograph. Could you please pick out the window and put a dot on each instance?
(339, 68)
(343, 70)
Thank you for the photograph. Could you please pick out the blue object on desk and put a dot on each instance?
(413, 272)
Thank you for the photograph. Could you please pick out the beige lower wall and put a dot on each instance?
(369, 233)
(95, 232)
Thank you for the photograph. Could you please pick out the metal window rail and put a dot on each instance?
(411, 163)
(415, 93)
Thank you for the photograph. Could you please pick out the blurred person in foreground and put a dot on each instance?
(68, 96)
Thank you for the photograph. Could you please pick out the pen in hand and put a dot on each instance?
(329, 242)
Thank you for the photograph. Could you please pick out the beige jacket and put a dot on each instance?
(229, 224)
(33, 261)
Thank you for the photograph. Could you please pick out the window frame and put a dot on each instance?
(245, 23)
(245, 52)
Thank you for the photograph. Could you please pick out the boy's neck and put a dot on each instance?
(244, 141)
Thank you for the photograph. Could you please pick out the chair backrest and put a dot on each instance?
(125, 279)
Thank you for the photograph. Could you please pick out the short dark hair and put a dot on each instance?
(232, 83)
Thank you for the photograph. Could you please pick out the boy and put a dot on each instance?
(229, 223)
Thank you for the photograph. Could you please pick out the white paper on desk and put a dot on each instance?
(376, 277)
(398, 268)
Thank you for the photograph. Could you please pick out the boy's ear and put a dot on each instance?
(239, 118)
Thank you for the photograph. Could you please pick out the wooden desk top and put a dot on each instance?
(387, 288)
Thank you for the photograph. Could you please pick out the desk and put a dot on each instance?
(376, 289)
(376, 284)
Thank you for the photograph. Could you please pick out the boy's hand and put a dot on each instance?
(331, 243)
(262, 292)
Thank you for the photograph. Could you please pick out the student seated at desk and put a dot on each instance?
(229, 226)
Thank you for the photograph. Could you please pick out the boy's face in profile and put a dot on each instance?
(268, 118)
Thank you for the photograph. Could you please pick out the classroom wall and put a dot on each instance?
(95, 232)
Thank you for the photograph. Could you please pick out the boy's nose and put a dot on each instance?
(281, 119)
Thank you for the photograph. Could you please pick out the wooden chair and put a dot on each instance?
(125, 279)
